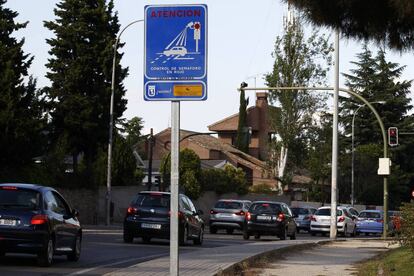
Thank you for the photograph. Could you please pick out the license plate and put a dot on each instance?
(8, 222)
(264, 217)
(151, 226)
(224, 215)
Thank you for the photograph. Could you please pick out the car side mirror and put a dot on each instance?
(75, 213)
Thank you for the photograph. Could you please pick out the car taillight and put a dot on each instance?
(39, 219)
(307, 218)
(241, 213)
(180, 214)
(281, 217)
(380, 220)
(313, 218)
(248, 216)
(132, 210)
(341, 219)
(213, 212)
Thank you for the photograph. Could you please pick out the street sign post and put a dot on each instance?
(175, 53)
(175, 70)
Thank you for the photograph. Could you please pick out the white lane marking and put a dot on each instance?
(116, 263)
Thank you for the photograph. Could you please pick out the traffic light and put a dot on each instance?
(393, 136)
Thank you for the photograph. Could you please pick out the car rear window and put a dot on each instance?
(265, 208)
(299, 211)
(153, 200)
(327, 212)
(370, 215)
(228, 205)
(16, 198)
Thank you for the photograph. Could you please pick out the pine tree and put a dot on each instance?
(80, 70)
(20, 105)
(242, 132)
(377, 79)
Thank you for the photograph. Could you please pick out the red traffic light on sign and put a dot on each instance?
(393, 136)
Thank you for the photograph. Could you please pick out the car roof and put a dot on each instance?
(267, 201)
(374, 211)
(26, 186)
(233, 200)
(329, 207)
(154, 192)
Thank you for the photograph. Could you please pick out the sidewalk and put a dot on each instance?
(208, 261)
(337, 258)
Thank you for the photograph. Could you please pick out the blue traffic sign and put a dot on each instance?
(175, 52)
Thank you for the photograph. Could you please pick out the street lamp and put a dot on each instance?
(353, 149)
(111, 122)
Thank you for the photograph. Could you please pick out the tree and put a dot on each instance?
(227, 180)
(376, 79)
(298, 62)
(386, 21)
(241, 140)
(80, 70)
(189, 170)
(21, 106)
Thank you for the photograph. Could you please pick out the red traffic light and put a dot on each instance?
(393, 136)
(197, 25)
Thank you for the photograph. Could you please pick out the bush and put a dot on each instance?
(407, 225)
(228, 180)
(262, 188)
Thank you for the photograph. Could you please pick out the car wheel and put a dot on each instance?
(246, 235)
(283, 235)
(344, 234)
(76, 250)
(293, 236)
(229, 231)
(200, 238)
(257, 236)
(128, 237)
(184, 236)
(146, 239)
(45, 258)
(213, 230)
(354, 233)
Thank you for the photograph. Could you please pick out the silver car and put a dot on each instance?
(228, 214)
(303, 217)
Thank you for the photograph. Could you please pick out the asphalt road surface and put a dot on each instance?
(104, 251)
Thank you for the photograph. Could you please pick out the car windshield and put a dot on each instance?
(16, 198)
(265, 208)
(153, 200)
(299, 211)
(327, 212)
(370, 215)
(228, 205)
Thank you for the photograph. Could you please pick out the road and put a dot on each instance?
(104, 251)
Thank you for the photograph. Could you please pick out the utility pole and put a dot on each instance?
(334, 173)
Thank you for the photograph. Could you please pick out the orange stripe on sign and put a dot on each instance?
(188, 90)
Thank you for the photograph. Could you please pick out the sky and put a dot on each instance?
(241, 36)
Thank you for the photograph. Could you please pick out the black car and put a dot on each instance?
(269, 218)
(37, 220)
(148, 216)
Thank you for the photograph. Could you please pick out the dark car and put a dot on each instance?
(269, 218)
(37, 220)
(228, 214)
(148, 216)
(303, 217)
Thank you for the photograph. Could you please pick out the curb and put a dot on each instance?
(262, 258)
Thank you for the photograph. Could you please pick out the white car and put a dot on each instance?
(176, 51)
(321, 221)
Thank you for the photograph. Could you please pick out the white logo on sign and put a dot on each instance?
(151, 90)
